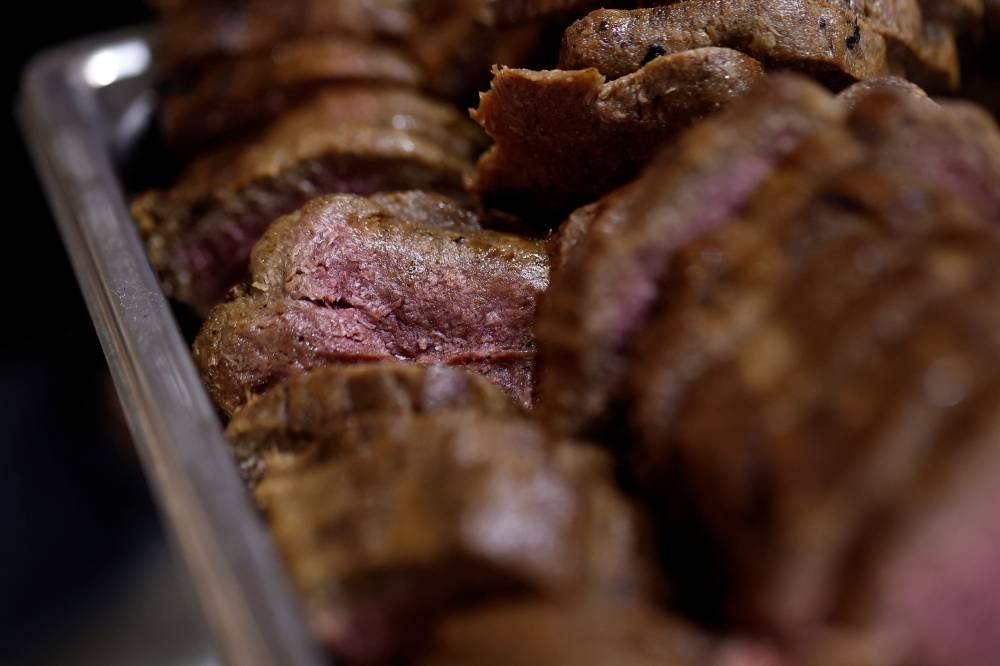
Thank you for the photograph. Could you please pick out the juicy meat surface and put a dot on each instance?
(855, 94)
(459, 508)
(231, 97)
(354, 139)
(589, 633)
(197, 30)
(330, 407)
(563, 138)
(601, 298)
(827, 39)
(344, 280)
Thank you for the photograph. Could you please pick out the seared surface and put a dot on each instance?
(566, 137)
(344, 280)
(532, 633)
(806, 390)
(458, 509)
(352, 139)
(332, 407)
(828, 39)
(230, 97)
(601, 298)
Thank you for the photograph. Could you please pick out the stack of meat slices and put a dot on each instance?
(629, 79)
(352, 279)
(426, 519)
(280, 102)
(762, 427)
(788, 326)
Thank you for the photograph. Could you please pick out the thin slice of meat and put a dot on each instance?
(827, 39)
(565, 137)
(960, 15)
(601, 299)
(588, 633)
(361, 140)
(344, 280)
(855, 94)
(954, 145)
(930, 586)
(514, 12)
(819, 334)
(194, 31)
(924, 52)
(457, 509)
(231, 97)
(334, 406)
(451, 40)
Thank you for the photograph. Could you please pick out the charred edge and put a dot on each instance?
(854, 39)
(654, 52)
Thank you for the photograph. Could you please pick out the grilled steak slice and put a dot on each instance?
(566, 137)
(194, 31)
(589, 633)
(362, 140)
(334, 406)
(823, 343)
(930, 587)
(827, 39)
(601, 298)
(450, 39)
(513, 12)
(344, 280)
(924, 52)
(862, 90)
(458, 508)
(954, 145)
(231, 97)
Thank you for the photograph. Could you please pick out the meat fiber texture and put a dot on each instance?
(804, 375)
(352, 139)
(454, 42)
(316, 414)
(836, 41)
(345, 280)
(460, 508)
(229, 98)
(566, 137)
(630, 80)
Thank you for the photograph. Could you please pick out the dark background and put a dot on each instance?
(84, 573)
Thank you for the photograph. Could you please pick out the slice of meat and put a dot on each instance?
(566, 137)
(932, 576)
(821, 335)
(601, 299)
(194, 31)
(344, 280)
(855, 94)
(457, 509)
(236, 95)
(955, 145)
(361, 140)
(450, 39)
(827, 39)
(923, 52)
(334, 405)
(960, 15)
(513, 12)
(533, 632)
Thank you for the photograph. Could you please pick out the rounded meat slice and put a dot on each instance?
(344, 279)
(826, 39)
(566, 137)
(332, 406)
(231, 97)
(359, 139)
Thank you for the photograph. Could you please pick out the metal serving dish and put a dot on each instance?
(83, 107)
